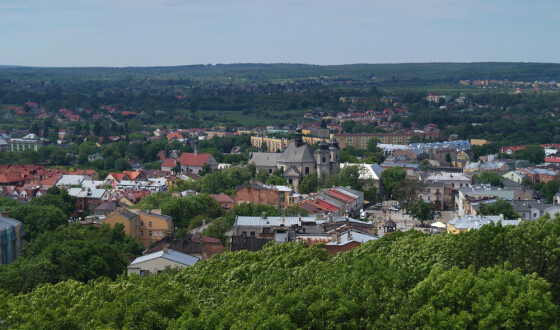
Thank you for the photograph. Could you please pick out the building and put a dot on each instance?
(195, 245)
(369, 172)
(28, 142)
(87, 199)
(515, 176)
(433, 193)
(157, 262)
(281, 197)
(225, 201)
(265, 160)
(531, 210)
(298, 160)
(252, 233)
(360, 141)
(269, 144)
(191, 163)
(466, 195)
(538, 175)
(147, 227)
(11, 239)
(470, 222)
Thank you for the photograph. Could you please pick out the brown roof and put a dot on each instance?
(222, 198)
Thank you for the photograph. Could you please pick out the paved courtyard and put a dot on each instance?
(404, 221)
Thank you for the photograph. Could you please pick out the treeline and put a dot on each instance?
(488, 278)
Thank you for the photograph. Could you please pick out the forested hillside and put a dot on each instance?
(495, 277)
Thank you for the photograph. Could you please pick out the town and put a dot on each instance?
(119, 189)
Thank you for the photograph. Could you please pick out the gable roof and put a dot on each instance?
(293, 154)
(267, 159)
(168, 163)
(190, 159)
(172, 255)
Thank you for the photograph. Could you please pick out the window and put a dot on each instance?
(324, 159)
(452, 185)
(150, 224)
(269, 171)
(253, 234)
(160, 234)
(429, 198)
(141, 233)
(307, 170)
(150, 233)
(141, 223)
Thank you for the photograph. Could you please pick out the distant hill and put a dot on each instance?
(409, 72)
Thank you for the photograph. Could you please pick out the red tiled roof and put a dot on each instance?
(6, 178)
(190, 159)
(169, 162)
(339, 195)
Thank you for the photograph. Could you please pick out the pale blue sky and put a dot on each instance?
(177, 32)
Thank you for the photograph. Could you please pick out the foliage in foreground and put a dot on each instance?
(490, 278)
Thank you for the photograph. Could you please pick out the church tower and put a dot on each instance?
(323, 159)
(334, 150)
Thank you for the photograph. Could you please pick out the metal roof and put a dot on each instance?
(8, 222)
(172, 255)
(243, 221)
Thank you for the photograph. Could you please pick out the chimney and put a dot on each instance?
(196, 149)
(263, 215)
(203, 222)
(165, 248)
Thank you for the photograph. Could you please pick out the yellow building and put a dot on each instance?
(212, 134)
(147, 227)
(271, 144)
(478, 142)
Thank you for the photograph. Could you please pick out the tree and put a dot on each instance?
(490, 178)
(526, 181)
(276, 180)
(422, 211)
(309, 184)
(498, 207)
(348, 126)
(372, 145)
(550, 189)
(391, 177)
(533, 153)
(407, 191)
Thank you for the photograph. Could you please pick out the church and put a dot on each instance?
(298, 160)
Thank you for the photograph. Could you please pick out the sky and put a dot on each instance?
(69, 33)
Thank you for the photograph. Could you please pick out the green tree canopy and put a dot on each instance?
(498, 207)
(391, 177)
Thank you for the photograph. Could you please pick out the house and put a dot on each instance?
(191, 163)
(87, 199)
(281, 197)
(67, 180)
(11, 239)
(157, 262)
(225, 201)
(147, 227)
(105, 208)
(466, 195)
(195, 245)
(515, 176)
(470, 222)
(531, 210)
(538, 175)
